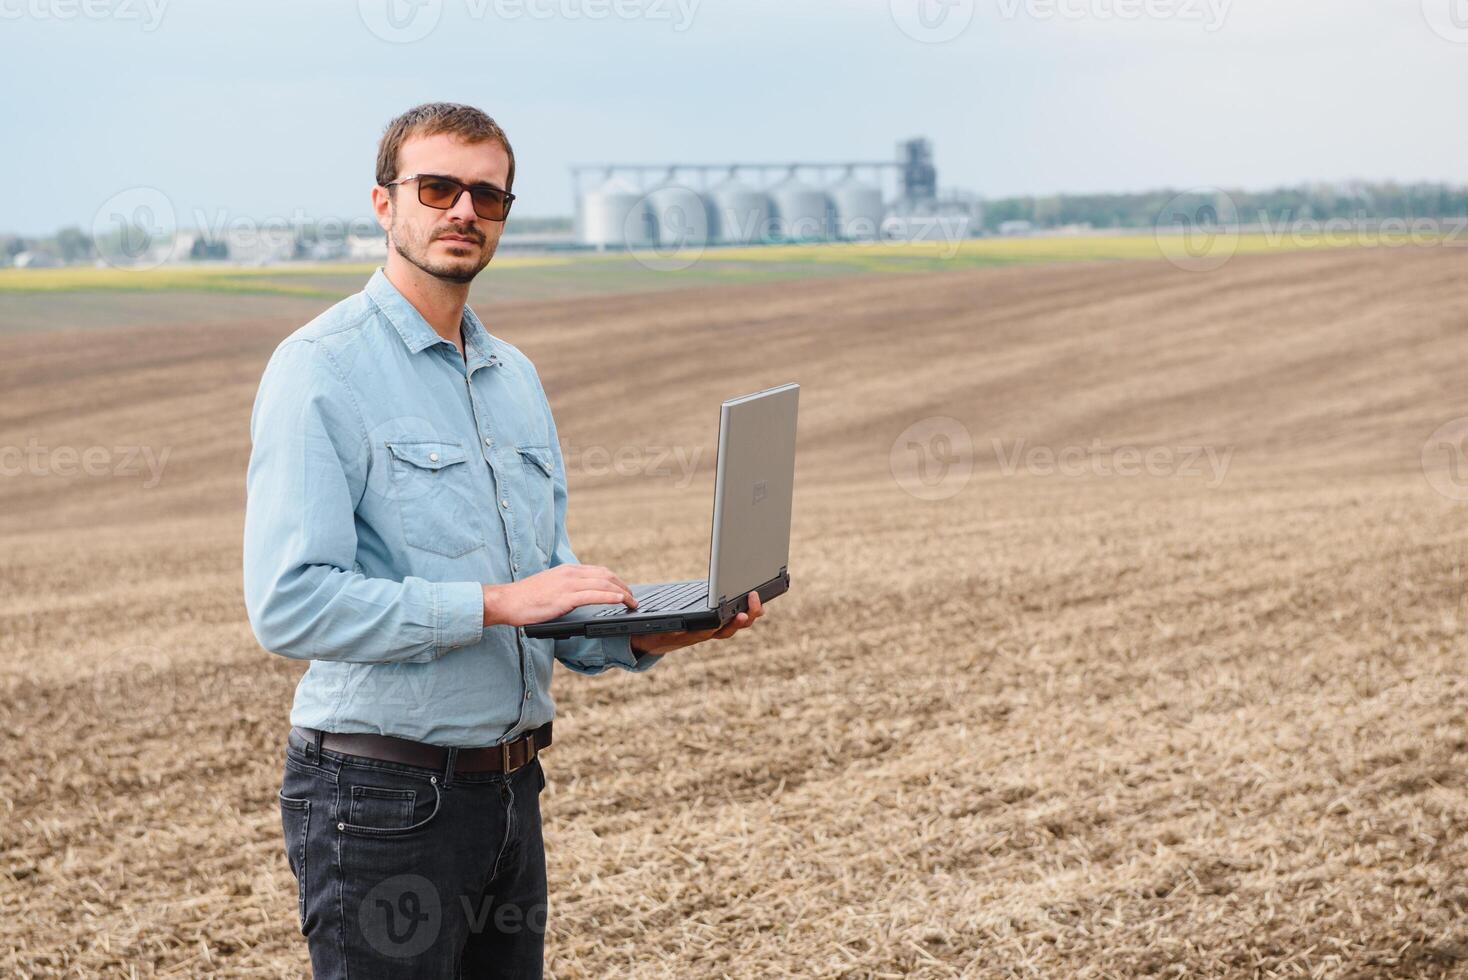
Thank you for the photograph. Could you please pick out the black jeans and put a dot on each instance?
(406, 872)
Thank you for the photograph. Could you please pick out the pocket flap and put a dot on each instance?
(428, 455)
(540, 456)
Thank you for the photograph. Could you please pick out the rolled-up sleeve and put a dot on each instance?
(303, 595)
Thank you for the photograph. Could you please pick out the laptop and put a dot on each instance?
(750, 546)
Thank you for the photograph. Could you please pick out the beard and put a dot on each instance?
(457, 270)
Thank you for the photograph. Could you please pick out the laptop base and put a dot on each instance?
(585, 621)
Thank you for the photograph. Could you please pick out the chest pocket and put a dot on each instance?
(435, 490)
(539, 472)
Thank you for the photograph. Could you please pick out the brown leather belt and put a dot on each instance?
(505, 757)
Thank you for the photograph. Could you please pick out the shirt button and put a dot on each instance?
(527, 695)
(504, 503)
(433, 457)
(488, 441)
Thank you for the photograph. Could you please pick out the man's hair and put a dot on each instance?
(432, 118)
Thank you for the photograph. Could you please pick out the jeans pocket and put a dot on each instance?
(387, 803)
(381, 807)
(295, 822)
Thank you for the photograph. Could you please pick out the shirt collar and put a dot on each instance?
(484, 349)
(415, 331)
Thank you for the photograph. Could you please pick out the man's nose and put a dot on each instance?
(463, 209)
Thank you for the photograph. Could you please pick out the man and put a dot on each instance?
(406, 512)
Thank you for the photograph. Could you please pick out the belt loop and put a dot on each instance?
(313, 747)
(448, 769)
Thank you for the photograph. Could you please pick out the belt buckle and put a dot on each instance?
(529, 753)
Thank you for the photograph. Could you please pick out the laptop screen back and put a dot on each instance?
(752, 491)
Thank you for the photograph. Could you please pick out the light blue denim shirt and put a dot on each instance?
(387, 482)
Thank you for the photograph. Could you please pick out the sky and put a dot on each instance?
(271, 110)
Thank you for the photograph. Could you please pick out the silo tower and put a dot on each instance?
(919, 176)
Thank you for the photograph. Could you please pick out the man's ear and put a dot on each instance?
(382, 205)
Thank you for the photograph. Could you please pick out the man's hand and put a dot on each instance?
(551, 593)
(666, 642)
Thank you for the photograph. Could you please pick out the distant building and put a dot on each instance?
(36, 260)
(919, 176)
(674, 205)
(265, 245)
(365, 248)
(947, 217)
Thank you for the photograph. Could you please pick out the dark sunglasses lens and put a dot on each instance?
(437, 193)
(490, 203)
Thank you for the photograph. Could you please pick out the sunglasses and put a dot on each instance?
(436, 191)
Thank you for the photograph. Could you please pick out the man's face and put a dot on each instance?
(452, 245)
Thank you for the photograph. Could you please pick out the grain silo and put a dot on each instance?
(742, 214)
(801, 212)
(673, 214)
(680, 216)
(616, 214)
(859, 209)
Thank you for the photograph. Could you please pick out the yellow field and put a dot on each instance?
(1126, 635)
(1067, 248)
(704, 265)
(292, 277)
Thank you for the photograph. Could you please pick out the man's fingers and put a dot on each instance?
(617, 581)
(690, 637)
(733, 626)
(587, 597)
(600, 575)
(740, 621)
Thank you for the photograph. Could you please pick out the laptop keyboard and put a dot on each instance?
(679, 595)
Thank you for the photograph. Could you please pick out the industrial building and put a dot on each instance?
(673, 205)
